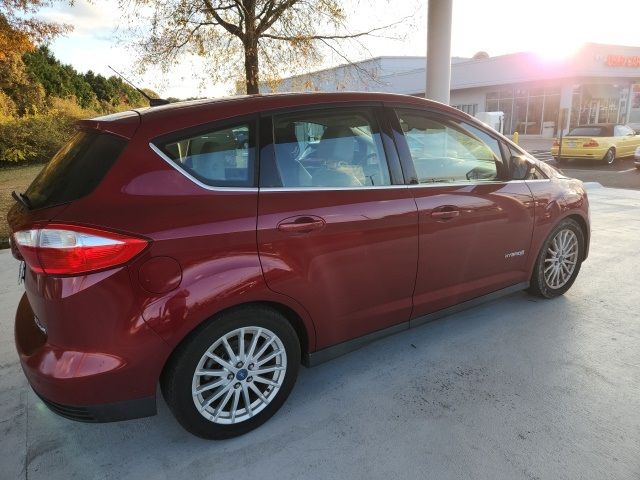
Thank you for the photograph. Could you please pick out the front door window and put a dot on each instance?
(444, 150)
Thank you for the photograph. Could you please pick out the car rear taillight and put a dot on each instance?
(70, 249)
(590, 143)
(556, 143)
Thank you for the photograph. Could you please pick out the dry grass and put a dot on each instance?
(13, 178)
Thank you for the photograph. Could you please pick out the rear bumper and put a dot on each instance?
(595, 154)
(102, 413)
(101, 368)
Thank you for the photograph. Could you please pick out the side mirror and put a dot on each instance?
(520, 167)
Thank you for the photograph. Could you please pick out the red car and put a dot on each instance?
(213, 246)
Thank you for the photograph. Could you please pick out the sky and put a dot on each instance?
(552, 28)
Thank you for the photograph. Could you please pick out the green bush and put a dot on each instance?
(36, 138)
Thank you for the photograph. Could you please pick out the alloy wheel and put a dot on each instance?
(239, 375)
(561, 259)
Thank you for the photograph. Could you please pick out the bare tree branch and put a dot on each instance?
(274, 15)
(229, 27)
(254, 38)
(331, 37)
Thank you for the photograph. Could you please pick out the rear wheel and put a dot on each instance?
(610, 156)
(559, 260)
(232, 374)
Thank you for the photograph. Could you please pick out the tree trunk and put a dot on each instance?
(250, 41)
(251, 67)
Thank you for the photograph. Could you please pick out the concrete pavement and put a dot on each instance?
(520, 388)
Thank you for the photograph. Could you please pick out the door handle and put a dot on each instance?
(445, 213)
(305, 224)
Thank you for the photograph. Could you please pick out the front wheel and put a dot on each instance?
(610, 157)
(231, 375)
(559, 260)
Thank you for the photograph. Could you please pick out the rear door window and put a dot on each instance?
(339, 148)
(76, 169)
(222, 157)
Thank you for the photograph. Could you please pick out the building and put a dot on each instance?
(599, 83)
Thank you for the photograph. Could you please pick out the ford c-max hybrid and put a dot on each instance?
(211, 247)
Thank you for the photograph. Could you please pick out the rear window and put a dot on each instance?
(76, 169)
(590, 132)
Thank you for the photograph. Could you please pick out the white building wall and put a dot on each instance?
(406, 75)
(470, 96)
(594, 66)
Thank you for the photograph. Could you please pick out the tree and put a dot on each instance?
(263, 35)
(27, 96)
(21, 30)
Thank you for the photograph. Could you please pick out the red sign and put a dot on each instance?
(632, 61)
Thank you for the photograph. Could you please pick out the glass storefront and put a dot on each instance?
(600, 104)
(634, 100)
(525, 108)
(530, 109)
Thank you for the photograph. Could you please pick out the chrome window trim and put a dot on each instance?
(458, 184)
(536, 180)
(161, 154)
(331, 189)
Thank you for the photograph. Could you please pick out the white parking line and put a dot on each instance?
(628, 170)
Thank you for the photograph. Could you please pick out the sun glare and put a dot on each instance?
(553, 50)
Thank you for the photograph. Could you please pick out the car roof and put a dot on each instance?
(160, 120)
(288, 99)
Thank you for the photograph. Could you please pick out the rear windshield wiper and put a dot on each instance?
(22, 198)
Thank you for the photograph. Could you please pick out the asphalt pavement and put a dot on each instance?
(519, 388)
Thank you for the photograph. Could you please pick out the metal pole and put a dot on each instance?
(439, 50)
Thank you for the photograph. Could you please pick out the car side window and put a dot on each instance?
(622, 131)
(446, 150)
(218, 157)
(340, 148)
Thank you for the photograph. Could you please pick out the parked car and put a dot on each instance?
(160, 249)
(602, 142)
(636, 158)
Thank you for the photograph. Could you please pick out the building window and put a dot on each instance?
(470, 108)
(525, 108)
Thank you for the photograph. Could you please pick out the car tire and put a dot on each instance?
(561, 160)
(609, 157)
(559, 260)
(232, 347)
